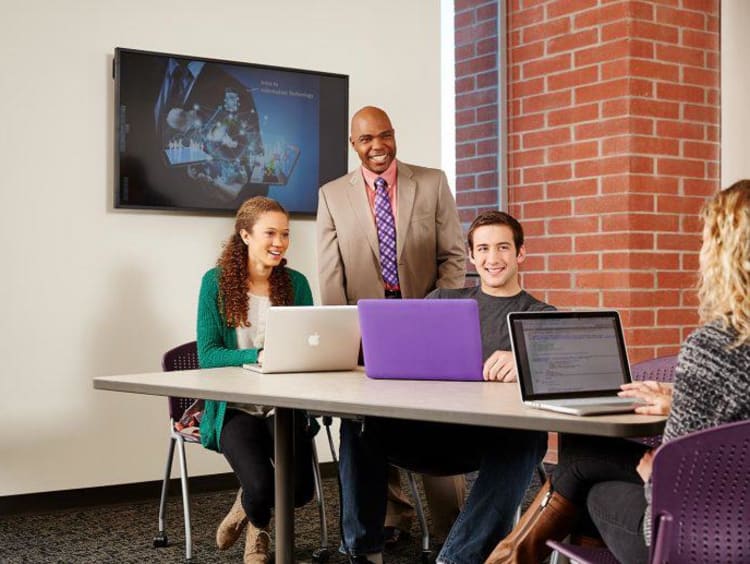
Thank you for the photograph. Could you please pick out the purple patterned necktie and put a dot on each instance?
(386, 233)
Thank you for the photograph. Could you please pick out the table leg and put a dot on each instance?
(284, 500)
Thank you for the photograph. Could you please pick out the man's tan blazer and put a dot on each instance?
(429, 240)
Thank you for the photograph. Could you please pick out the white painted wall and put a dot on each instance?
(90, 291)
(448, 90)
(735, 91)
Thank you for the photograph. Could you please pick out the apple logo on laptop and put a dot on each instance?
(313, 340)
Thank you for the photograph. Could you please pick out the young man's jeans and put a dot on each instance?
(505, 459)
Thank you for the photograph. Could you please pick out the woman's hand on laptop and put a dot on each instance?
(500, 367)
(657, 395)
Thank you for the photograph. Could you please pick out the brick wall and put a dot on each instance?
(613, 145)
(477, 64)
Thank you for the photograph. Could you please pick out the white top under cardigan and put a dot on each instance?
(254, 337)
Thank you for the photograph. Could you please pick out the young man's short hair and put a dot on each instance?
(496, 218)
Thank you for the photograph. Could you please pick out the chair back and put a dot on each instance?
(184, 357)
(660, 369)
(701, 497)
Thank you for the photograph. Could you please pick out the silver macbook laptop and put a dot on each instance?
(571, 362)
(310, 339)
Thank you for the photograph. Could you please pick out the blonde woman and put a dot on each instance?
(605, 478)
(712, 383)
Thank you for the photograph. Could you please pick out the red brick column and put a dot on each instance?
(613, 126)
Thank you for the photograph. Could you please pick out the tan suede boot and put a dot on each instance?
(550, 516)
(231, 527)
(257, 545)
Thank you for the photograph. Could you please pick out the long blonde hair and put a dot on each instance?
(724, 285)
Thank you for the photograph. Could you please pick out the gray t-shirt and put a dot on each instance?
(493, 313)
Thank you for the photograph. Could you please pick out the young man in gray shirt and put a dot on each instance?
(496, 250)
(505, 458)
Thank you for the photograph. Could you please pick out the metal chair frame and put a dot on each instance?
(185, 357)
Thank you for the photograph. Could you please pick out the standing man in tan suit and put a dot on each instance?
(355, 243)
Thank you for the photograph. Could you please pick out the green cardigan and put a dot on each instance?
(217, 345)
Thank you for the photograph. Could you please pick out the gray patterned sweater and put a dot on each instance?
(712, 387)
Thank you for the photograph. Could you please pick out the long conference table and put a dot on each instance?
(352, 393)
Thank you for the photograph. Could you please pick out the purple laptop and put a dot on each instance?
(421, 339)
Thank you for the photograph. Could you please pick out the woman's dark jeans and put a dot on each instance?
(247, 444)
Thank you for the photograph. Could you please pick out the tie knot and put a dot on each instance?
(380, 183)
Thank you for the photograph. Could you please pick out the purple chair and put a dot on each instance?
(185, 357)
(701, 500)
(661, 370)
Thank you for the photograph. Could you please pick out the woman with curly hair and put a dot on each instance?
(234, 299)
(608, 480)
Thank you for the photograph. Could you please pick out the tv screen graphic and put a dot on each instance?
(204, 134)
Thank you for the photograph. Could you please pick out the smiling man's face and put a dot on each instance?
(496, 259)
(374, 139)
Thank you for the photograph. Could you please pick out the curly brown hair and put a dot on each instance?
(233, 265)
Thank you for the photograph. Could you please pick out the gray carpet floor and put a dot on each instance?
(123, 533)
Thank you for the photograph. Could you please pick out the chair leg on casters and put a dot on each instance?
(425, 557)
(160, 540)
(185, 500)
(321, 554)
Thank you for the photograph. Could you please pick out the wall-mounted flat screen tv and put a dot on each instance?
(204, 134)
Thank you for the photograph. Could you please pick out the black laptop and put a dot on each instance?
(571, 362)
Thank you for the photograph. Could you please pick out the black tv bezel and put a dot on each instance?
(189, 210)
